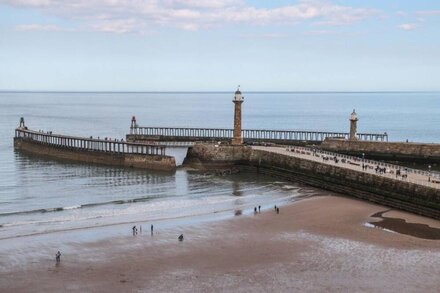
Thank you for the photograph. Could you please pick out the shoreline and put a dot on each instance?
(313, 244)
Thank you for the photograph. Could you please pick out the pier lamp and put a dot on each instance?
(22, 125)
(429, 176)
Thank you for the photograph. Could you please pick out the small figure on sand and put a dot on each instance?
(152, 229)
(259, 209)
(181, 237)
(275, 208)
(134, 230)
(58, 257)
(140, 229)
(255, 210)
(278, 210)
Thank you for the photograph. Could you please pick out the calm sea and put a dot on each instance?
(40, 196)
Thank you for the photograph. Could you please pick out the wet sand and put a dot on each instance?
(404, 226)
(317, 244)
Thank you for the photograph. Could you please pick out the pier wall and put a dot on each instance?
(153, 162)
(398, 194)
(399, 151)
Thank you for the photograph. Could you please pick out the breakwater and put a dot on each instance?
(391, 151)
(386, 189)
(138, 133)
(92, 150)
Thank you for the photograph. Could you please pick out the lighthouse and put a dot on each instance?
(353, 125)
(237, 139)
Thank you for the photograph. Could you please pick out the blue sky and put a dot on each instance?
(213, 45)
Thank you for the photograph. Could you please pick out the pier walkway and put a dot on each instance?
(425, 178)
(249, 135)
(117, 146)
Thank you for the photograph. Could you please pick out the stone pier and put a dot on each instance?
(413, 190)
(390, 151)
(91, 150)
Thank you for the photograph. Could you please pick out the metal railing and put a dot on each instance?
(89, 144)
(251, 134)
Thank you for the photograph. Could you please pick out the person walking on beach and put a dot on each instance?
(259, 209)
(134, 230)
(278, 210)
(255, 210)
(152, 228)
(181, 237)
(275, 208)
(58, 257)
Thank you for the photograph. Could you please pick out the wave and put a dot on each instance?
(87, 205)
(123, 201)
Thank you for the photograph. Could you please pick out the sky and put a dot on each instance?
(215, 45)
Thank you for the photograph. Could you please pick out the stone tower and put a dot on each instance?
(353, 125)
(238, 100)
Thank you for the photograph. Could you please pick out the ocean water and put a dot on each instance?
(40, 196)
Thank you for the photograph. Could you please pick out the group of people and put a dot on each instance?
(135, 229)
(399, 173)
(42, 131)
(108, 138)
(277, 209)
(335, 159)
(381, 170)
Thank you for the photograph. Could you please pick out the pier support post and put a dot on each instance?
(353, 125)
(237, 139)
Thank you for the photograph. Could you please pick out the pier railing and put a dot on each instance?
(89, 144)
(251, 134)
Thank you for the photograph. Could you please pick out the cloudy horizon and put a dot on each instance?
(190, 45)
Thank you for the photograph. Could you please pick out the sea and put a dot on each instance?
(40, 196)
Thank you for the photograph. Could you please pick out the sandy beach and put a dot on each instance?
(320, 244)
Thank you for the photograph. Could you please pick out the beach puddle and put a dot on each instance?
(398, 225)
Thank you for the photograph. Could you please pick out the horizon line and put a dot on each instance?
(218, 92)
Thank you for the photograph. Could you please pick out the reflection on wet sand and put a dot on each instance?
(403, 227)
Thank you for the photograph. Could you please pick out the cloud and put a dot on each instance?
(41, 27)
(123, 16)
(428, 12)
(265, 36)
(408, 26)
